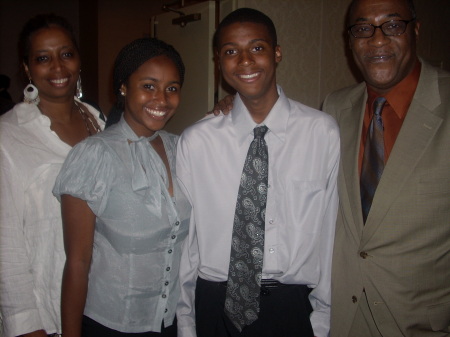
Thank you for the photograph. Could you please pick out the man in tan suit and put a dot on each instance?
(391, 272)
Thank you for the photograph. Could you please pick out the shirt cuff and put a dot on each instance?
(187, 331)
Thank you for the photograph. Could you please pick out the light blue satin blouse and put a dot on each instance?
(133, 280)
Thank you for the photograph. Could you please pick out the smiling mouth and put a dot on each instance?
(379, 58)
(156, 113)
(60, 80)
(248, 76)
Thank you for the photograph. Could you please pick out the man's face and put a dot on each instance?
(248, 59)
(384, 60)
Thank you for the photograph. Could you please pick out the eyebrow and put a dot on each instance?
(392, 15)
(156, 80)
(251, 42)
(46, 50)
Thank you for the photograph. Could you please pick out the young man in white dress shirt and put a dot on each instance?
(300, 213)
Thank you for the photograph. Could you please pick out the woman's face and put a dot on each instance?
(152, 94)
(53, 64)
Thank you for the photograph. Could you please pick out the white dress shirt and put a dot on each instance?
(31, 243)
(303, 146)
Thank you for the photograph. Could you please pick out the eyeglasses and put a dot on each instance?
(389, 28)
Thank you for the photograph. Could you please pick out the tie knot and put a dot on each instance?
(378, 105)
(260, 131)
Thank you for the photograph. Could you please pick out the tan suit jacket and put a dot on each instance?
(401, 257)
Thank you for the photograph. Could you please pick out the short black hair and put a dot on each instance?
(351, 8)
(246, 15)
(36, 23)
(130, 58)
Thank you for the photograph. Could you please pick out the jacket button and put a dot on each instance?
(354, 299)
(363, 255)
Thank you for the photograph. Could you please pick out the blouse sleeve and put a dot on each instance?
(87, 174)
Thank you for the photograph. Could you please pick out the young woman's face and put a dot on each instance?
(152, 94)
(53, 63)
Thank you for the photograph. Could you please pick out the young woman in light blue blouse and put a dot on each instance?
(124, 215)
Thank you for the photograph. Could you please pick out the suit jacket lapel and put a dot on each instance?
(351, 118)
(419, 127)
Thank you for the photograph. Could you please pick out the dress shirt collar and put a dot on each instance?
(276, 120)
(27, 113)
(400, 96)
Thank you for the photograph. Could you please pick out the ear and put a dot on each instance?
(123, 90)
(416, 29)
(27, 71)
(278, 56)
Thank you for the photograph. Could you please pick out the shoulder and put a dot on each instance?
(206, 126)
(311, 117)
(340, 96)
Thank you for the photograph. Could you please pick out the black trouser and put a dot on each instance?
(284, 312)
(91, 328)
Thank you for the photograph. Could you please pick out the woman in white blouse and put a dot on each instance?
(35, 137)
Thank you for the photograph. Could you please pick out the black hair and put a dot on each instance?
(5, 81)
(246, 15)
(409, 3)
(36, 23)
(130, 58)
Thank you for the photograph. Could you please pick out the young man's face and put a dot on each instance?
(248, 59)
(384, 60)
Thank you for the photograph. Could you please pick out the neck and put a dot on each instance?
(61, 111)
(260, 107)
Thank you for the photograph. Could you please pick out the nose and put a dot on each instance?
(378, 38)
(246, 58)
(56, 63)
(159, 96)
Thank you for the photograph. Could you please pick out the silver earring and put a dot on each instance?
(122, 93)
(31, 94)
(79, 92)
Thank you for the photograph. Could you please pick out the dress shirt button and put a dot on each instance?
(166, 283)
(168, 268)
(271, 250)
(170, 251)
(164, 296)
(174, 236)
(354, 299)
(363, 255)
(165, 310)
(271, 221)
(177, 223)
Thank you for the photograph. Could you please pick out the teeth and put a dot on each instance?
(249, 76)
(60, 81)
(156, 113)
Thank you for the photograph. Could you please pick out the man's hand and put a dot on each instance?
(224, 106)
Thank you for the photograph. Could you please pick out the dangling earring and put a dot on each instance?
(79, 92)
(31, 94)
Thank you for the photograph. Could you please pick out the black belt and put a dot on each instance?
(266, 285)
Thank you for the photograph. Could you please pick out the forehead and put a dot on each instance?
(158, 67)
(51, 36)
(364, 10)
(243, 32)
